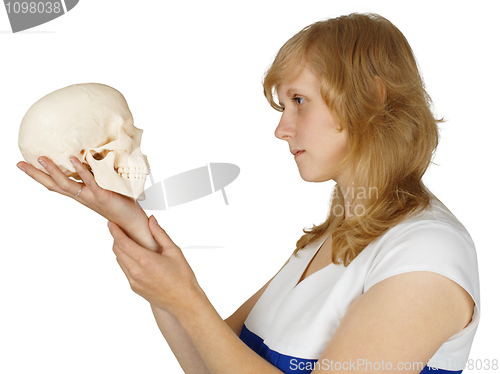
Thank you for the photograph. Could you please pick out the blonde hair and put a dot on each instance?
(371, 82)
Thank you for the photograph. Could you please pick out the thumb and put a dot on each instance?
(159, 234)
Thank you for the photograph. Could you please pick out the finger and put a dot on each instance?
(124, 261)
(128, 273)
(125, 244)
(122, 256)
(40, 176)
(130, 268)
(134, 285)
(46, 180)
(124, 269)
(65, 184)
(159, 234)
(85, 174)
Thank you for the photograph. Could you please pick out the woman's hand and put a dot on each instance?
(163, 278)
(112, 206)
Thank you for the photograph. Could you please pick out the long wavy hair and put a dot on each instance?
(371, 82)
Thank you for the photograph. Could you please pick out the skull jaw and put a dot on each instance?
(107, 178)
(129, 187)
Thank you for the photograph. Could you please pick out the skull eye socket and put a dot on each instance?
(99, 155)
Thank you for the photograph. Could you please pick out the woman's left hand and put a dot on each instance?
(163, 278)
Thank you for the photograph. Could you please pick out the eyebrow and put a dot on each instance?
(290, 90)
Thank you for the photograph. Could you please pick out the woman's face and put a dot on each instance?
(310, 129)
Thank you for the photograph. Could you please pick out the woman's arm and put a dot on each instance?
(134, 222)
(168, 283)
(180, 343)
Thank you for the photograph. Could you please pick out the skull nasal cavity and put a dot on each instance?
(99, 155)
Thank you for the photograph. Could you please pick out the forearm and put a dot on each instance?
(166, 281)
(220, 348)
(137, 228)
(180, 343)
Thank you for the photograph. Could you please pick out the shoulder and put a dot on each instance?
(433, 241)
(404, 318)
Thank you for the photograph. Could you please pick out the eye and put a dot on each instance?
(298, 100)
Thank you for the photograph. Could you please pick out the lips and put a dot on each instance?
(295, 152)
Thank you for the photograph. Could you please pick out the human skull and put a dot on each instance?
(93, 123)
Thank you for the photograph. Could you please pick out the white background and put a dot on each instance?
(191, 72)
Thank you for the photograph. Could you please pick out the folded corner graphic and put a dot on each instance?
(190, 185)
(25, 15)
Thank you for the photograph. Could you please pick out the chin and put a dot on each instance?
(310, 177)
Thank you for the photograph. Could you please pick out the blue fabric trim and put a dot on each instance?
(286, 364)
(429, 370)
(295, 365)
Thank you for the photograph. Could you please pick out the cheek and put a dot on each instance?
(343, 144)
(338, 145)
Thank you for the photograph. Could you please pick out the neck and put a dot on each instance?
(353, 200)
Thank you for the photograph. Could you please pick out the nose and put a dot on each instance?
(285, 129)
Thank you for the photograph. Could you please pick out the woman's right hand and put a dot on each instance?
(115, 207)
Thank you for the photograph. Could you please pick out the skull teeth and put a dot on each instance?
(132, 176)
(133, 172)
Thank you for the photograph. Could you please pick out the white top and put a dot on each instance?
(300, 320)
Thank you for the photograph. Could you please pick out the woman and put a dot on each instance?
(388, 283)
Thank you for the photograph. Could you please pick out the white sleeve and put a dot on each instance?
(434, 246)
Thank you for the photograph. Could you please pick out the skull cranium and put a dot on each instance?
(93, 123)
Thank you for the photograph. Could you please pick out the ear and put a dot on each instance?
(381, 89)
